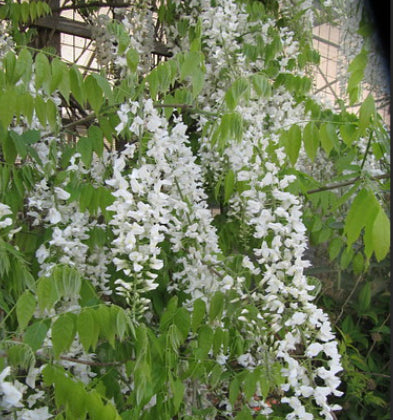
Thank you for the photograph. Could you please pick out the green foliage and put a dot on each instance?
(72, 397)
(356, 68)
(366, 212)
(25, 12)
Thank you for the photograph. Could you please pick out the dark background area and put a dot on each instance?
(381, 14)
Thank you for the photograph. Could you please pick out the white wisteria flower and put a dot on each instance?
(10, 395)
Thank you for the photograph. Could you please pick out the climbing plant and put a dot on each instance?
(157, 218)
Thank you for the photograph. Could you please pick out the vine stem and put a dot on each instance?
(367, 149)
(343, 184)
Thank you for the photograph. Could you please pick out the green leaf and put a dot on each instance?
(41, 109)
(265, 385)
(94, 405)
(239, 89)
(63, 333)
(25, 12)
(153, 83)
(24, 64)
(67, 281)
(56, 74)
(348, 133)
(17, 180)
(9, 63)
(106, 319)
(25, 308)
(35, 334)
(85, 148)
(261, 85)
(20, 356)
(9, 149)
(168, 314)
(368, 240)
(250, 384)
(26, 102)
(346, 257)
(364, 298)
(363, 211)
(216, 306)
(42, 72)
(273, 48)
(46, 293)
(7, 107)
(190, 64)
(198, 314)
(31, 136)
(86, 329)
(132, 59)
(61, 72)
(94, 93)
(329, 138)
(218, 341)
(292, 141)
(367, 110)
(77, 86)
(205, 341)
(183, 322)
(197, 81)
(105, 86)
(381, 235)
(311, 140)
(97, 139)
(358, 263)
(87, 192)
(356, 68)
(122, 323)
(244, 414)
(230, 128)
(216, 375)
(234, 389)
(178, 393)
(77, 401)
(335, 247)
(229, 185)
(51, 112)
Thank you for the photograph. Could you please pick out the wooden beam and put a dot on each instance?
(83, 30)
(65, 25)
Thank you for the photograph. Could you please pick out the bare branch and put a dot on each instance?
(344, 184)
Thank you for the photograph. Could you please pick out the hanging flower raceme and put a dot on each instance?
(159, 196)
(71, 228)
(272, 216)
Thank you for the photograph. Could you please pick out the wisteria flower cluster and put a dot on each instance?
(161, 199)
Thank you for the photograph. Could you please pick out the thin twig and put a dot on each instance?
(359, 279)
(81, 121)
(374, 342)
(89, 363)
(182, 106)
(382, 375)
(186, 106)
(343, 184)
